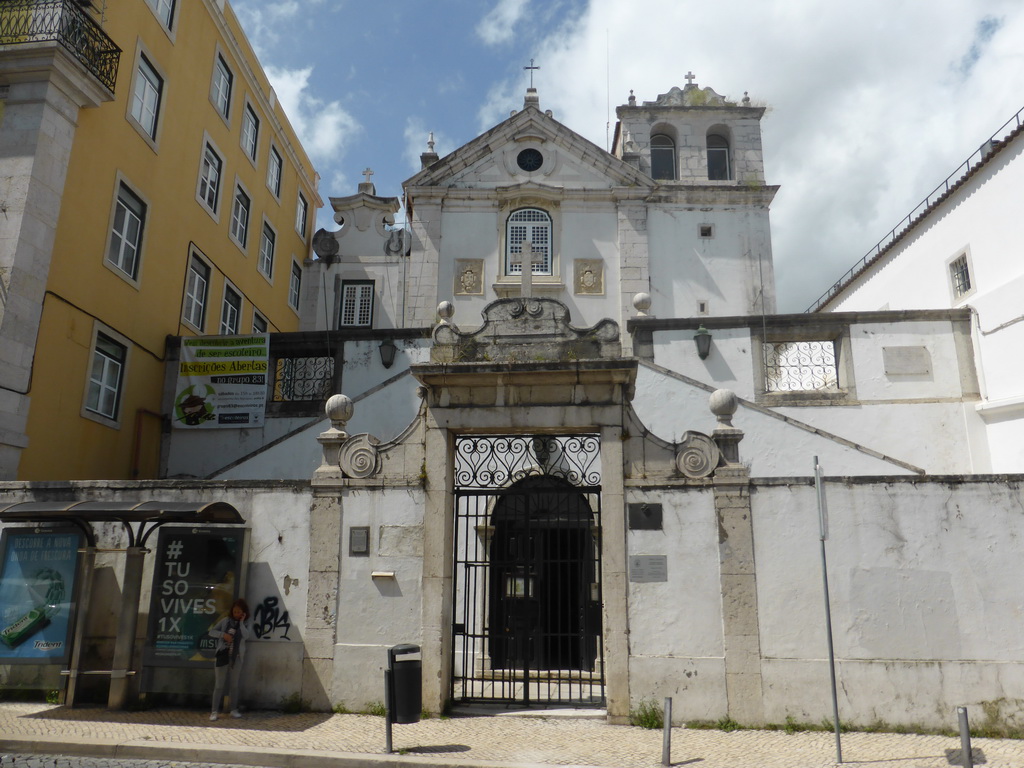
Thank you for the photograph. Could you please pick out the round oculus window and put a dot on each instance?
(530, 160)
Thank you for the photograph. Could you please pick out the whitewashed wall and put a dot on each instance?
(865, 433)
(676, 645)
(376, 612)
(925, 601)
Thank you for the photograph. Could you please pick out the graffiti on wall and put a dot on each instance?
(268, 620)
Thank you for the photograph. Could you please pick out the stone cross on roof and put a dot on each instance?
(367, 174)
(531, 68)
(690, 77)
(525, 259)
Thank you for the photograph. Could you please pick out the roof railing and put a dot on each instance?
(976, 158)
(64, 22)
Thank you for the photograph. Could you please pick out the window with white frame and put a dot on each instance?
(960, 276)
(250, 131)
(146, 96)
(106, 377)
(240, 217)
(209, 178)
(663, 157)
(126, 232)
(301, 215)
(164, 10)
(259, 323)
(530, 225)
(267, 241)
(196, 290)
(294, 285)
(356, 304)
(230, 311)
(274, 165)
(220, 88)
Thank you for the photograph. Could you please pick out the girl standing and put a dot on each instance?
(231, 633)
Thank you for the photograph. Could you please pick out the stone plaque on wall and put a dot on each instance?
(469, 277)
(588, 276)
(644, 517)
(906, 361)
(646, 569)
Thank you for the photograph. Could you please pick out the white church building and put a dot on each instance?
(569, 448)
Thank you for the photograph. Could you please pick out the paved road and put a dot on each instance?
(62, 761)
(174, 737)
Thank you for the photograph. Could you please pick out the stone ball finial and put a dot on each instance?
(641, 303)
(445, 310)
(723, 404)
(339, 409)
(632, 98)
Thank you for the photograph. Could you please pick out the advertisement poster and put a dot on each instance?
(37, 590)
(222, 382)
(196, 577)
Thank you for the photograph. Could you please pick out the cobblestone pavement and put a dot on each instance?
(286, 740)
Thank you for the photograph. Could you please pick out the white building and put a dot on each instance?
(960, 248)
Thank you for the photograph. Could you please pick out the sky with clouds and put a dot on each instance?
(870, 104)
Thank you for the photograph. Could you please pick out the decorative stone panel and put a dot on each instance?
(469, 277)
(588, 276)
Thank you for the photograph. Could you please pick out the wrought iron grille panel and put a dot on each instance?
(303, 379)
(489, 461)
(527, 579)
(801, 366)
(64, 22)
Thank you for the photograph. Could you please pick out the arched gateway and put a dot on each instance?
(527, 577)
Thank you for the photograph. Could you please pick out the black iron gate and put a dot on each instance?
(527, 579)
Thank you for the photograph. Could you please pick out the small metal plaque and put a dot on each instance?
(645, 569)
(359, 541)
(645, 517)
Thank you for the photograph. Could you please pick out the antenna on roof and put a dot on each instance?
(607, 92)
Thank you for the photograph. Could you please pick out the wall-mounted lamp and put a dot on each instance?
(387, 352)
(702, 338)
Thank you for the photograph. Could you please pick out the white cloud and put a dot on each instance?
(324, 127)
(871, 103)
(498, 26)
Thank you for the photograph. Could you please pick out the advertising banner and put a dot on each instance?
(222, 382)
(37, 593)
(196, 577)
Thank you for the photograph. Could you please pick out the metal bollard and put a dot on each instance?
(965, 737)
(666, 739)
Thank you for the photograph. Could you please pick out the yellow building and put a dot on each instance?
(151, 185)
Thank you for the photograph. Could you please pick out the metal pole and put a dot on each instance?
(823, 531)
(388, 704)
(124, 644)
(666, 738)
(965, 737)
(85, 573)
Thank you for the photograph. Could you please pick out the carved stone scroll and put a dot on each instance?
(359, 457)
(697, 455)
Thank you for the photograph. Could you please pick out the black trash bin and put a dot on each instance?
(406, 688)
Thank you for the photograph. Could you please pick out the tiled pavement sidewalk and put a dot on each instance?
(349, 741)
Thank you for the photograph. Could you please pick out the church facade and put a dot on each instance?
(570, 446)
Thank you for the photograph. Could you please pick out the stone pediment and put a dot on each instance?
(492, 159)
(690, 96)
(517, 330)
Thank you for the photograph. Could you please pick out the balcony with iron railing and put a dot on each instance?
(65, 22)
